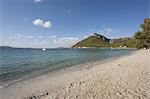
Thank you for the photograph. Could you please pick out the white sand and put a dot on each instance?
(127, 77)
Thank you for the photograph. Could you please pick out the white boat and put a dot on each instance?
(43, 49)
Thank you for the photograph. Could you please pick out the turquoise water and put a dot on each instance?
(19, 63)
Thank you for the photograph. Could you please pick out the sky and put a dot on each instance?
(62, 23)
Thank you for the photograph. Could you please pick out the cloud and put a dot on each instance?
(39, 22)
(109, 30)
(66, 41)
(28, 37)
(47, 24)
(37, 1)
(40, 41)
(17, 36)
(52, 36)
(106, 31)
(39, 37)
(103, 30)
(43, 42)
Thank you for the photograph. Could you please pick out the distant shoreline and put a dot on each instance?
(68, 47)
(31, 47)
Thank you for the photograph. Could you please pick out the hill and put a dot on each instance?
(123, 42)
(95, 40)
(140, 39)
(3, 47)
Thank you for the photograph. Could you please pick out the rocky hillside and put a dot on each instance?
(95, 40)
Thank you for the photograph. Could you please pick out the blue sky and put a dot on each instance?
(61, 23)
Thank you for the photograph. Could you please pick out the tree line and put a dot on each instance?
(143, 37)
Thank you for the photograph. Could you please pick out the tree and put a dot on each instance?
(146, 25)
(143, 37)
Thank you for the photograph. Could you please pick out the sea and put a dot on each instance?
(25, 63)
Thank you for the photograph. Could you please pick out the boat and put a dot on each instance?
(43, 49)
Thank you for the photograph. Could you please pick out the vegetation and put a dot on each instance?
(146, 25)
(141, 39)
(92, 41)
(123, 42)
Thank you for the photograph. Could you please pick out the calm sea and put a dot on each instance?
(18, 63)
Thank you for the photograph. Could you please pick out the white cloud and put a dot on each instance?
(39, 37)
(40, 41)
(39, 22)
(43, 42)
(28, 37)
(106, 31)
(47, 24)
(109, 30)
(52, 36)
(66, 41)
(37, 1)
(17, 36)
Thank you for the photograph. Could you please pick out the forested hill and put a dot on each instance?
(140, 39)
(95, 40)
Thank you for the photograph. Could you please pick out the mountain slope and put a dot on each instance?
(94, 40)
(121, 42)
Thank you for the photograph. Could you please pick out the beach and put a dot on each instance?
(125, 77)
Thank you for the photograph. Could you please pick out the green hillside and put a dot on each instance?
(140, 39)
(121, 42)
(92, 41)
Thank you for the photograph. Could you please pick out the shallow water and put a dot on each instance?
(18, 63)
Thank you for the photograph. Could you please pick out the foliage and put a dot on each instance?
(124, 42)
(146, 25)
(141, 39)
(91, 41)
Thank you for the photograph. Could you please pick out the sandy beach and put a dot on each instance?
(126, 77)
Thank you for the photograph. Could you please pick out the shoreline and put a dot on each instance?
(50, 87)
(57, 72)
